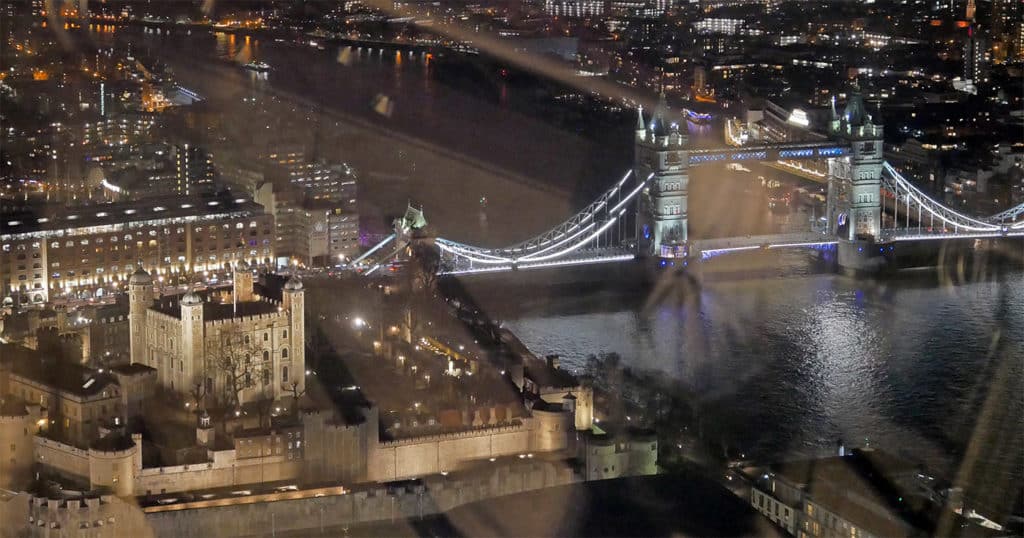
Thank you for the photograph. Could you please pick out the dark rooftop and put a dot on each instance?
(545, 376)
(132, 369)
(113, 442)
(12, 408)
(865, 487)
(214, 310)
(65, 376)
(58, 217)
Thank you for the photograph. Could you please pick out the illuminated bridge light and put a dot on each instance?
(789, 153)
(749, 155)
(708, 157)
(831, 152)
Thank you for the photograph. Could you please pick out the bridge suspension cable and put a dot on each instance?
(568, 230)
(581, 229)
(893, 181)
(1011, 215)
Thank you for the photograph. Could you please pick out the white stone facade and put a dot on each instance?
(186, 338)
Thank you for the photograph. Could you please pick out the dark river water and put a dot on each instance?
(921, 366)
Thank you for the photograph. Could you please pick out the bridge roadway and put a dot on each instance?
(769, 152)
(709, 248)
(580, 257)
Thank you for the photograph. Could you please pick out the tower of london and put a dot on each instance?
(244, 344)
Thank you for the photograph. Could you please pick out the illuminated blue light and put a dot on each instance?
(788, 153)
(828, 152)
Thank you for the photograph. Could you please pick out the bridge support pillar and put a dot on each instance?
(855, 181)
(662, 214)
(864, 256)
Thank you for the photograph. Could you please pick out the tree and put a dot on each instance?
(199, 390)
(296, 394)
(236, 359)
(425, 261)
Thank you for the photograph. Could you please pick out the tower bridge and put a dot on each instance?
(645, 214)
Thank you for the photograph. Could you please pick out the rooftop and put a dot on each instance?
(12, 408)
(66, 377)
(45, 217)
(132, 369)
(546, 376)
(869, 488)
(215, 310)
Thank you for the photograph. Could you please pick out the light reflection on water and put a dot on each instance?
(791, 365)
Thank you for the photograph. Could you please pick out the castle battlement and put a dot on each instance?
(523, 425)
(275, 316)
(72, 504)
(57, 445)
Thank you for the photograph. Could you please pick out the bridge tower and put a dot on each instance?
(660, 149)
(855, 182)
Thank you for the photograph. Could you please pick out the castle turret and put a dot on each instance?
(294, 302)
(140, 298)
(641, 128)
(243, 288)
(179, 376)
(204, 430)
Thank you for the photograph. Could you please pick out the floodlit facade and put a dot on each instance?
(96, 248)
(246, 346)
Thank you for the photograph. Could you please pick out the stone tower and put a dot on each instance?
(179, 376)
(855, 181)
(660, 149)
(140, 298)
(294, 301)
(243, 287)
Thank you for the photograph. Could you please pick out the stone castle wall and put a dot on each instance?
(381, 503)
(216, 474)
(28, 516)
(65, 459)
(16, 436)
(421, 456)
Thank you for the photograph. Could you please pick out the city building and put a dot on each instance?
(575, 8)
(241, 348)
(194, 170)
(976, 60)
(78, 402)
(860, 493)
(120, 129)
(51, 250)
(308, 230)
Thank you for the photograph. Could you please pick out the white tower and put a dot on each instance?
(140, 298)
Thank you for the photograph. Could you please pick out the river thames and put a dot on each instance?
(786, 364)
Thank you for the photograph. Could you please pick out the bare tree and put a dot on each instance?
(236, 358)
(425, 261)
(296, 394)
(199, 390)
